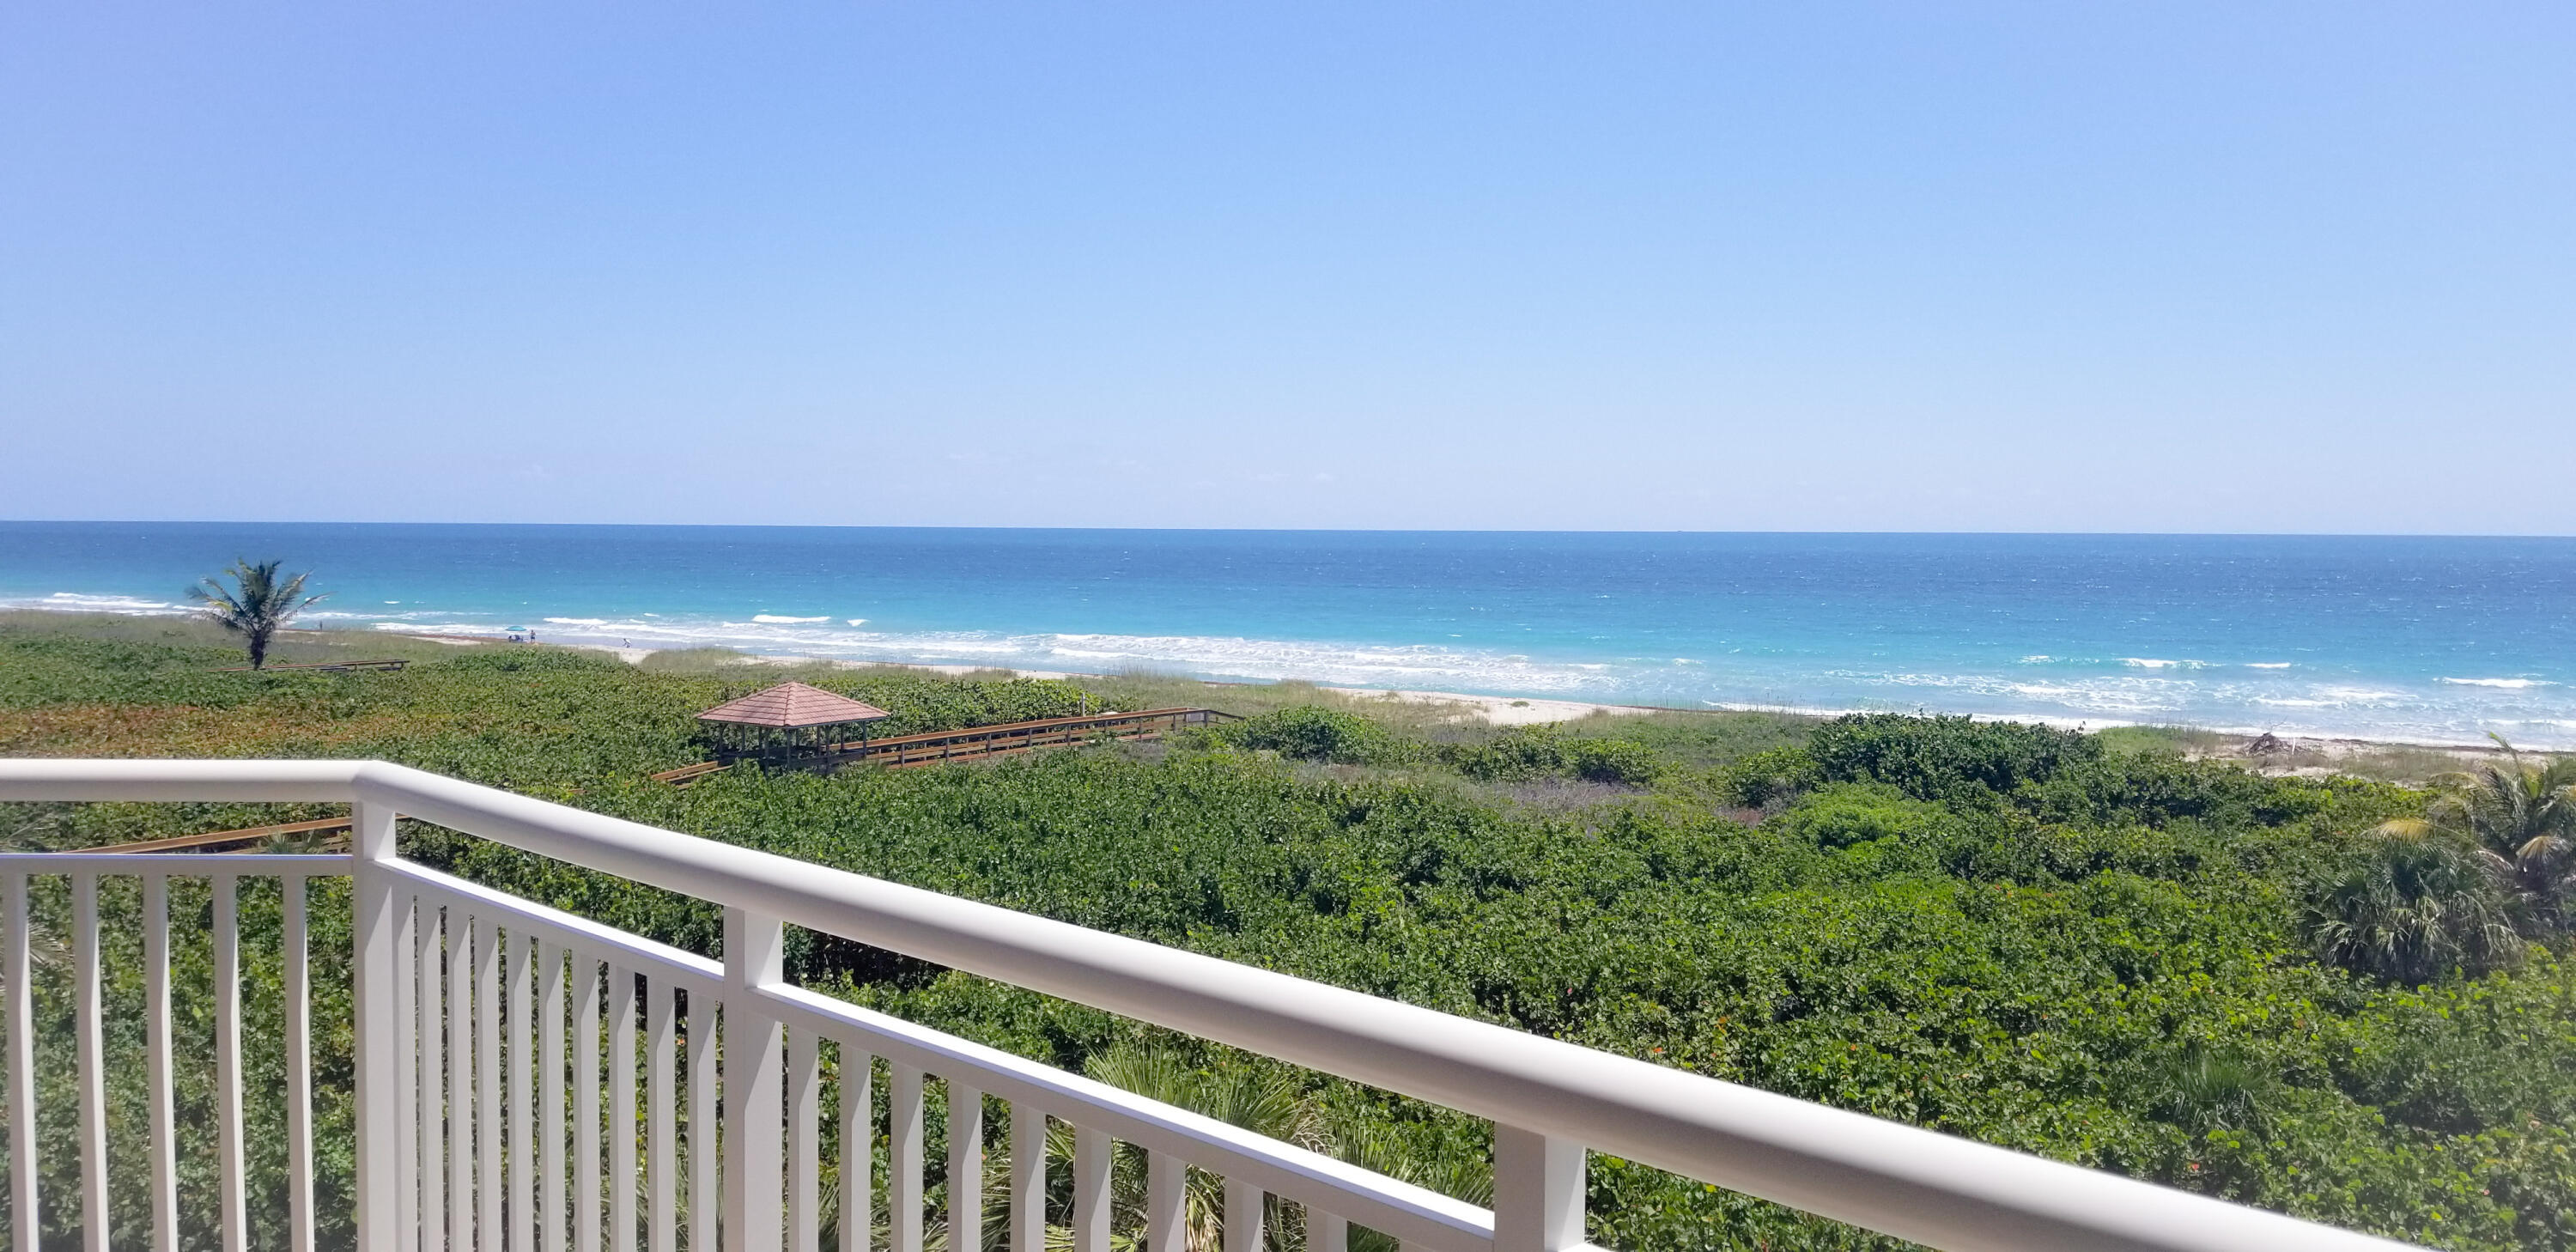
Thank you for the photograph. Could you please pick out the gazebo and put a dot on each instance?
(791, 717)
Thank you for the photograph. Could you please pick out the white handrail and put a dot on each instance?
(1900, 1180)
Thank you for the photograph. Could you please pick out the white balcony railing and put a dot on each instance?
(475, 1009)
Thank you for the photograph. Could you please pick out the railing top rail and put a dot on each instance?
(1901, 1180)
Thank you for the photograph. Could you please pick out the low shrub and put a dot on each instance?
(1310, 732)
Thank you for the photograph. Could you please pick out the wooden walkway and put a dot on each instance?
(225, 838)
(326, 667)
(973, 743)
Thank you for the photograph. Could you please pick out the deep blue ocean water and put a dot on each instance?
(2426, 639)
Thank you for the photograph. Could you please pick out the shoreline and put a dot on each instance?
(1505, 710)
(1501, 710)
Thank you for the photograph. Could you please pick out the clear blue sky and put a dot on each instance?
(2266, 267)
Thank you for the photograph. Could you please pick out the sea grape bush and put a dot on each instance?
(1520, 754)
(1529, 752)
(2001, 932)
(1944, 758)
(1314, 733)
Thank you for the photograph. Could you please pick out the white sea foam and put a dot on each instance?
(2359, 695)
(81, 602)
(2087, 689)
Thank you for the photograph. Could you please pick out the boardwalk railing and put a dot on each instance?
(496, 1040)
(932, 747)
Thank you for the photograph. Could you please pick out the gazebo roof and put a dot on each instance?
(790, 705)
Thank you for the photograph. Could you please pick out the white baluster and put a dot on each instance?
(429, 959)
(550, 1083)
(622, 1174)
(93, 1065)
(585, 1104)
(903, 1158)
(705, 1176)
(299, 1066)
(965, 1168)
(460, 1081)
(164, 1114)
(22, 1071)
(407, 1229)
(1166, 1203)
(1091, 1157)
(234, 1211)
(1028, 1178)
(661, 1163)
(487, 1084)
(804, 1143)
(523, 1094)
(1243, 1214)
(858, 1139)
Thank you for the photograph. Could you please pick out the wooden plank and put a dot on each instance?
(1097, 720)
(248, 834)
(325, 667)
(973, 742)
(688, 773)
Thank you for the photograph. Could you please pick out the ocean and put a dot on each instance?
(2435, 640)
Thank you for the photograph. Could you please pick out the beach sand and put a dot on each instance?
(1500, 710)
(1497, 710)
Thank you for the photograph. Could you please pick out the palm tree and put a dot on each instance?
(2522, 817)
(2418, 903)
(1267, 1100)
(257, 605)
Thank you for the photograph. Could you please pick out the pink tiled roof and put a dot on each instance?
(792, 704)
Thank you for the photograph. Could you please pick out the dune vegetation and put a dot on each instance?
(2312, 994)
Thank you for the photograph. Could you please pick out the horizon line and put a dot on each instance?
(1301, 530)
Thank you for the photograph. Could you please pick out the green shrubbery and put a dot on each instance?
(1520, 754)
(1997, 931)
(1524, 753)
(1309, 732)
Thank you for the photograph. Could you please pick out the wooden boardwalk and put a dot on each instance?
(225, 838)
(325, 667)
(972, 743)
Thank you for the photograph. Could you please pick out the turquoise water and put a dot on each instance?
(2426, 639)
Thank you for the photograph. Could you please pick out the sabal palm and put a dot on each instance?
(1266, 1100)
(2420, 903)
(2522, 817)
(256, 605)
